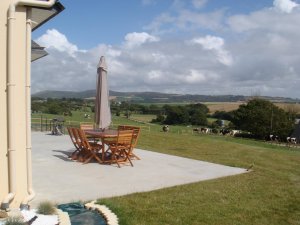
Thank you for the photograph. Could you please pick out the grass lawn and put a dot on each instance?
(270, 194)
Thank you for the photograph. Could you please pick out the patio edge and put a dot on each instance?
(110, 217)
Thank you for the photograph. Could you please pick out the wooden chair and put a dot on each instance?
(86, 126)
(120, 147)
(136, 133)
(90, 150)
(76, 142)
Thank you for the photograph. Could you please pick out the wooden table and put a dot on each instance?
(102, 135)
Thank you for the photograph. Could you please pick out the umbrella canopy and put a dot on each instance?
(102, 107)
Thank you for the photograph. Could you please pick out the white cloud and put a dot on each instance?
(215, 44)
(185, 20)
(198, 4)
(57, 40)
(136, 39)
(195, 77)
(285, 5)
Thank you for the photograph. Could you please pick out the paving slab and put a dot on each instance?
(61, 180)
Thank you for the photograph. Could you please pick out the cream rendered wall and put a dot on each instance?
(3, 119)
(19, 117)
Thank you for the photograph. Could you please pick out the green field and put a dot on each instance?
(146, 118)
(269, 194)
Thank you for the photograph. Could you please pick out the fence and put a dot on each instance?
(45, 124)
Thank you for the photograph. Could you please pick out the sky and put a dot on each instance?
(208, 47)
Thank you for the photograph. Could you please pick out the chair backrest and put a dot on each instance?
(77, 138)
(125, 138)
(84, 141)
(74, 137)
(136, 132)
(86, 126)
(70, 131)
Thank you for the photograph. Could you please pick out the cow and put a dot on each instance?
(165, 128)
(291, 140)
(196, 130)
(273, 137)
(224, 131)
(234, 132)
(205, 130)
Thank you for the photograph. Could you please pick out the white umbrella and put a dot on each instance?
(102, 107)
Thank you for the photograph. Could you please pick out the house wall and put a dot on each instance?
(19, 115)
(3, 116)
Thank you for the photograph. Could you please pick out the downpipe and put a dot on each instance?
(30, 191)
(11, 85)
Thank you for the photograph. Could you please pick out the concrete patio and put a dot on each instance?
(61, 180)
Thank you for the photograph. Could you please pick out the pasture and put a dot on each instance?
(268, 194)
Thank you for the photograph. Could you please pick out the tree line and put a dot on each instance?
(258, 117)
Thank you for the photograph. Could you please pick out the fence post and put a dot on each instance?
(41, 123)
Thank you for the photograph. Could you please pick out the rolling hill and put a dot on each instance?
(156, 97)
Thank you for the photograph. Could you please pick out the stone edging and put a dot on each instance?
(63, 217)
(109, 216)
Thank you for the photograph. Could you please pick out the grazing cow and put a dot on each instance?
(234, 132)
(224, 131)
(205, 130)
(273, 137)
(165, 128)
(196, 130)
(291, 140)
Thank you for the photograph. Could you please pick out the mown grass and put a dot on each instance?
(269, 194)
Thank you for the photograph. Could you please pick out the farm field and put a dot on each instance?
(222, 106)
(229, 106)
(146, 118)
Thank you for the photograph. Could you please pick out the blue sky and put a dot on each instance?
(176, 46)
(109, 21)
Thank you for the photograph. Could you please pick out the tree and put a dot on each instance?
(222, 115)
(261, 118)
(195, 114)
(159, 119)
(198, 118)
(177, 115)
(198, 114)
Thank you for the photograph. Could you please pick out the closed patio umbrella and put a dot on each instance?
(102, 107)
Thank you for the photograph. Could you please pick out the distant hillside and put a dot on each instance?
(64, 94)
(156, 97)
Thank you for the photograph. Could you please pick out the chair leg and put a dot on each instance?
(128, 157)
(132, 155)
(114, 158)
(87, 159)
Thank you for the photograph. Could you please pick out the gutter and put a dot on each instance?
(11, 84)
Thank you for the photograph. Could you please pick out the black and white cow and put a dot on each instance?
(291, 140)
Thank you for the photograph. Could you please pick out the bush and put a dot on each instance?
(46, 208)
(159, 119)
